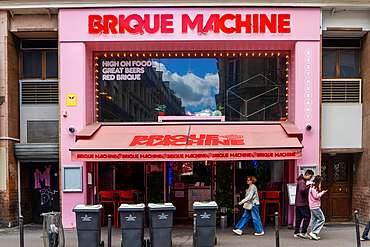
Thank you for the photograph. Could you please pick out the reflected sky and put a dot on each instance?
(195, 81)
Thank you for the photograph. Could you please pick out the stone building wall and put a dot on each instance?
(361, 183)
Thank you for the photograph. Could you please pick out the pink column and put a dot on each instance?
(76, 77)
(307, 99)
(305, 103)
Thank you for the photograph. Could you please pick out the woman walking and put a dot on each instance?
(318, 218)
(252, 199)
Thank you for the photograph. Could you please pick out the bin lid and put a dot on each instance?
(131, 207)
(205, 205)
(161, 206)
(88, 208)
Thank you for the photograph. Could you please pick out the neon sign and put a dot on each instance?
(182, 140)
(164, 23)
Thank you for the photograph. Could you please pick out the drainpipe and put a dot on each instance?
(19, 187)
(9, 138)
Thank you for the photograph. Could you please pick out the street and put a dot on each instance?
(333, 234)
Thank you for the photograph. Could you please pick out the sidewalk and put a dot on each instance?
(332, 235)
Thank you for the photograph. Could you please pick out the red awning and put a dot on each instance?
(188, 141)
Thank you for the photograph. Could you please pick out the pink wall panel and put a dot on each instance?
(307, 99)
(72, 80)
(304, 24)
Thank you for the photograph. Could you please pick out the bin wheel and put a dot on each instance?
(147, 243)
(215, 240)
(102, 244)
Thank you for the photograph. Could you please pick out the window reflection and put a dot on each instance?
(349, 64)
(241, 88)
(347, 60)
(329, 63)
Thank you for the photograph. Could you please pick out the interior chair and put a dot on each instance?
(271, 197)
(109, 203)
(125, 197)
(137, 196)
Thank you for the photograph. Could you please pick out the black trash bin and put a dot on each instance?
(132, 225)
(161, 221)
(206, 223)
(88, 223)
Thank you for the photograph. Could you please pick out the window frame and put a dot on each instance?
(43, 65)
(337, 72)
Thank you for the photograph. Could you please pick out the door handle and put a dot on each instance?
(55, 191)
(340, 189)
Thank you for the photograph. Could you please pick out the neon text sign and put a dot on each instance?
(182, 140)
(164, 23)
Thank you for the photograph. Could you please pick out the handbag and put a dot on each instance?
(248, 206)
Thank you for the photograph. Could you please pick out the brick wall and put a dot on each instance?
(4, 214)
(9, 123)
(360, 202)
(361, 186)
(13, 124)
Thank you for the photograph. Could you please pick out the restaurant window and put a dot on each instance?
(242, 86)
(39, 72)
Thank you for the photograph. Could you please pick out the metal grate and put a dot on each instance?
(39, 92)
(341, 171)
(324, 172)
(341, 90)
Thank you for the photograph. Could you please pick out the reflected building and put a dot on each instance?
(253, 89)
(136, 100)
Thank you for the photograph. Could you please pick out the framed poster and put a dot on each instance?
(291, 188)
(72, 178)
(303, 168)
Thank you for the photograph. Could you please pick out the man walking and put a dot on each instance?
(302, 208)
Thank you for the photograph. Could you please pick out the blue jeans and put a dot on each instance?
(318, 220)
(254, 213)
(366, 230)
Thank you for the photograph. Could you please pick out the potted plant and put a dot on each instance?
(224, 195)
(161, 109)
(218, 111)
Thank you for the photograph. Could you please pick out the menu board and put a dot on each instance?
(291, 188)
(198, 194)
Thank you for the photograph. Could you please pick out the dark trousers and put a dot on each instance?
(302, 212)
(366, 230)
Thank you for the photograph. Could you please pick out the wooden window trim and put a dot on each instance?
(43, 65)
(338, 64)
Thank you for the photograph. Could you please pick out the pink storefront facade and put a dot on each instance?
(84, 32)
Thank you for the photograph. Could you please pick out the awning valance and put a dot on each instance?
(188, 141)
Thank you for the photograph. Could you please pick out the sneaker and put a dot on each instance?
(365, 239)
(238, 231)
(313, 236)
(260, 234)
(296, 235)
(303, 235)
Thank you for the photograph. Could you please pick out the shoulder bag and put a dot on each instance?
(248, 206)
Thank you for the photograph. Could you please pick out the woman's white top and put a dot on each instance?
(252, 195)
